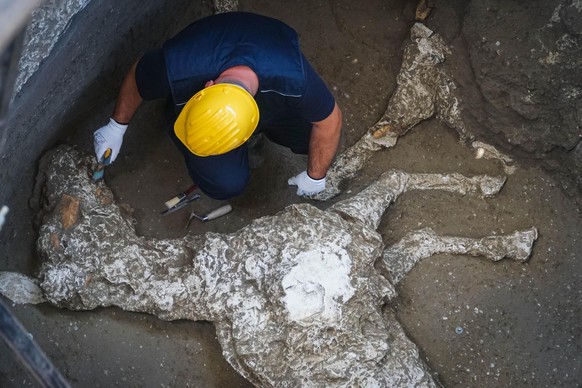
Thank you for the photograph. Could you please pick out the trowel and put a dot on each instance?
(214, 214)
(104, 161)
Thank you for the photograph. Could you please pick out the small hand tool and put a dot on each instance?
(181, 203)
(218, 212)
(180, 197)
(104, 161)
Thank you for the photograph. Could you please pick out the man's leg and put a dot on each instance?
(220, 177)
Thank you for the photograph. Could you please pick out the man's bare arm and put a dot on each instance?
(325, 137)
(128, 100)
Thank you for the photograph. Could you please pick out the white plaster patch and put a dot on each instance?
(318, 285)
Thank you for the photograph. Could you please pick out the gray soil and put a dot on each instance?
(521, 324)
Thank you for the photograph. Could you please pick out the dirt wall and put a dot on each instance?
(519, 68)
(71, 87)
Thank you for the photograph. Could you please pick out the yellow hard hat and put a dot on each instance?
(217, 119)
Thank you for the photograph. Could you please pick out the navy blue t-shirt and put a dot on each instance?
(314, 105)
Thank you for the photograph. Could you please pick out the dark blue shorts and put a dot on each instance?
(226, 176)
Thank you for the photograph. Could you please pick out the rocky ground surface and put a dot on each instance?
(519, 323)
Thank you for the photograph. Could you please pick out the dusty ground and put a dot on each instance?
(521, 322)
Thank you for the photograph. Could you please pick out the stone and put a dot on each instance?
(20, 289)
(402, 256)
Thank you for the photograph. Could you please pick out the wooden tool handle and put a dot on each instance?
(219, 212)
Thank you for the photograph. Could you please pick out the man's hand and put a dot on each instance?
(307, 185)
(109, 136)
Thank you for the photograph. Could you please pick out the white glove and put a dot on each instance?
(109, 136)
(307, 185)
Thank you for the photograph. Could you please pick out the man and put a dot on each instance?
(227, 75)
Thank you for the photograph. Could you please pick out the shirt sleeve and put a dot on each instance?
(317, 102)
(150, 76)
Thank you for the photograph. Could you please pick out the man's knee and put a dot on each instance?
(225, 187)
(222, 176)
